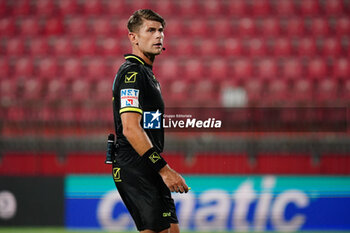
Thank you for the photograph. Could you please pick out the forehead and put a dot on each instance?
(151, 24)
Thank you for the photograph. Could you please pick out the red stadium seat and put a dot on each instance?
(54, 26)
(219, 70)
(189, 7)
(331, 47)
(255, 91)
(68, 7)
(212, 7)
(80, 91)
(96, 68)
(334, 7)
(102, 27)
(177, 94)
(39, 47)
(4, 8)
(295, 26)
(256, 47)
(8, 91)
(113, 7)
(4, 68)
(261, 7)
(282, 47)
(176, 28)
(184, 47)
(327, 92)
(319, 27)
(246, 27)
(7, 27)
(29, 27)
(335, 164)
(270, 27)
(317, 68)
(209, 47)
(169, 69)
(15, 47)
(92, 7)
(285, 164)
(44, 7)
(32, 90)
(48, 68)
(121, 29)
(345, 92)
(233, 47)
(307, 47)
(87, 46)
(222, 28)
(166, 8)
(204, 94)
(102, 92)
(341, 68)
(242, 69)
(277, 93)
(22, 8)
(72, 68)
(24, 67)
(55, 89)
(309, 7)
(140, 4)
(267, 69)
(292, 69)
(302, 92)
(198, 28)
(110, 47)
(77, 26)
(193, 69)
(285, 8)
(62, 46)
(238, 7)
(342, 26)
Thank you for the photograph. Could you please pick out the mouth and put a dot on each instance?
(158, 45)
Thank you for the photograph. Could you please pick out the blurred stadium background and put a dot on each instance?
(58, 59)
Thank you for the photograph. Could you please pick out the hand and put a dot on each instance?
(173, 180)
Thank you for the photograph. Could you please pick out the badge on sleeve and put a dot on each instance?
(130, 77)
(129, 98)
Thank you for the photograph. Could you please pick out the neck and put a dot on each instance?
(148, 58)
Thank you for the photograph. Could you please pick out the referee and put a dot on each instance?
(143, 178)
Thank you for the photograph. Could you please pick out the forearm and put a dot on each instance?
(138, 139)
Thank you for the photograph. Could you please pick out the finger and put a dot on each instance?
(181, 189)
(185, 187)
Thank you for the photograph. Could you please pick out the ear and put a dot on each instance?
(133, 38)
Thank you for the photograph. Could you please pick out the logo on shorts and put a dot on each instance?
(154, 157)
(151, 120)
(116, 174)
(130, 77)
(166, 214)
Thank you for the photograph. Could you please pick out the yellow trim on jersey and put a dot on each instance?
(135, 58)
(130, 109)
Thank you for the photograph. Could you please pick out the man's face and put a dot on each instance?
(150, 37)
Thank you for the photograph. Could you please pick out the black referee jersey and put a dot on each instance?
(135, 89)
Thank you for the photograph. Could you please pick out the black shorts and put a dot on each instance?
(143, 191)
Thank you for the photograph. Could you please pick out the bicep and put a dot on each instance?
(131, 120)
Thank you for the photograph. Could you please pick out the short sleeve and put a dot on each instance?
(131, 91)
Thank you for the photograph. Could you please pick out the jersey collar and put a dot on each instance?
(136, 59)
